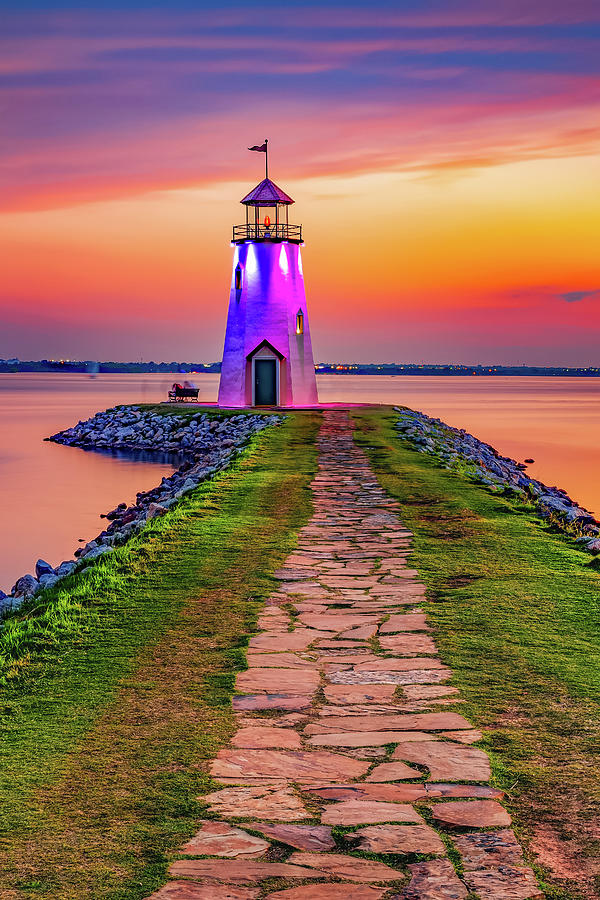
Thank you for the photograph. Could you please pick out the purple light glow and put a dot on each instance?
(262, 324)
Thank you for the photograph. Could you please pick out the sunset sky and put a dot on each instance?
(443, 158)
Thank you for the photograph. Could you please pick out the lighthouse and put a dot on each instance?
(267, 358)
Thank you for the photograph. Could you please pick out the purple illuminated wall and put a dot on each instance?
(265, 309)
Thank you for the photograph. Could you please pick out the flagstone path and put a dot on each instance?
(350, 740)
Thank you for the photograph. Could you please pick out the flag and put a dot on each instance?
(261, 149)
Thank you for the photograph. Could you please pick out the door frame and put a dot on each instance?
(261, 358)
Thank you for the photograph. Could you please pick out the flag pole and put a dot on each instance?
(266, 157)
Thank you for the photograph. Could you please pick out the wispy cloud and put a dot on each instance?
(576, 296)
(102, 104)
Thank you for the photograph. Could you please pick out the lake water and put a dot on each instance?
(52, 495)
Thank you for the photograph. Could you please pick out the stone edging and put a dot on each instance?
(457, 449)
(204, 444)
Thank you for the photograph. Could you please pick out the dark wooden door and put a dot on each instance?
(265, 382)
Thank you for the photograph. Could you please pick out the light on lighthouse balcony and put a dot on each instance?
(251, 261)
(283, 260)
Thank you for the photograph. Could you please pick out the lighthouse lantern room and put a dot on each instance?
(267, 358)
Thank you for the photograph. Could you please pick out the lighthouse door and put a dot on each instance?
(265, 382)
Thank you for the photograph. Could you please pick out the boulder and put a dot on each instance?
(26, 586)
(96, 552)
(65, 568)
(591, 529)
(155, 509)
(49, 580)
(547, 501)
(43, 568)
(575, 513)
(9, 602)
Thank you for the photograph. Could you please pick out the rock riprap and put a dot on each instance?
(456, 449)
(349, 739)
(202, 444)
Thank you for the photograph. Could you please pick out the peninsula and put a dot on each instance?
(164, 689)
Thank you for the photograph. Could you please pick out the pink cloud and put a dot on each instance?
(92, 118)
(363, 136)
(73, 51)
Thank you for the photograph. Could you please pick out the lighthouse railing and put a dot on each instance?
(252, 231)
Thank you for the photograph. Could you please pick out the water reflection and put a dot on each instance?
(172, 460)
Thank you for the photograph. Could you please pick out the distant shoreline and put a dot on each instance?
(12, 366)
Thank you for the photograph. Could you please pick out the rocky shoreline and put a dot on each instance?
(206, 443)
(203, 444)
(456, 449)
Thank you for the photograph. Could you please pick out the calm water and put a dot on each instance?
(53, 495)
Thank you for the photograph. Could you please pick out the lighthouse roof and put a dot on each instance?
(266, 194)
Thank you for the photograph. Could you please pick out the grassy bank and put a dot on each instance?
(116, 686)
(517, 611)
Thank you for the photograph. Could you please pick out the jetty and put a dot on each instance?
(323, 658)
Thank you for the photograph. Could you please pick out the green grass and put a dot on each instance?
(516, 610)
(116, 686)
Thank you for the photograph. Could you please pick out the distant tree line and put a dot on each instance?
(182, 368)
(449, 369)
(73, 365)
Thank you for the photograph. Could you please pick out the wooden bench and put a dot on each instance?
(178, 392)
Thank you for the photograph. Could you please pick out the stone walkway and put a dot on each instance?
(352, 774)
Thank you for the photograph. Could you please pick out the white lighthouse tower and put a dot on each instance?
(267, 358)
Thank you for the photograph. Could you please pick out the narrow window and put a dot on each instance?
(299, 322)
(238, 278)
